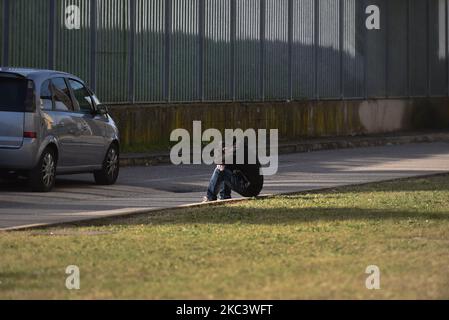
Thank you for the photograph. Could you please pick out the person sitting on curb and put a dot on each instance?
(245, 179)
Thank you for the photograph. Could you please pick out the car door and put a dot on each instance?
(65, 124)
(92, 126)
(48, 114)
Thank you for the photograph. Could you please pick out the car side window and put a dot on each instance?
(46, 98)
(82, 96)
(61, 95)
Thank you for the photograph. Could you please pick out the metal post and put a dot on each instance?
(5, 61)
(93, 43)
(428, 48)
(447, 46)
(316, 44)
(290, 49)
(341, 44)
(262, 49)
(233, 38)
(132, 40)
(365, 53)
(51, 34)
(201, 35)
(168, 27)
(387, 58)
(409, 77)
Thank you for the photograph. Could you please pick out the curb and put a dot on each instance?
(151, 159)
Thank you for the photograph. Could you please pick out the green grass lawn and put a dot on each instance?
(310, 245)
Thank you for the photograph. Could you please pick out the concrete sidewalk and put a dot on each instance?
(142, 189)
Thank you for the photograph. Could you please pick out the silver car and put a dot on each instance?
(51, 123)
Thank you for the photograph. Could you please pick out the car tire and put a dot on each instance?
(43, 176)
(111, 166)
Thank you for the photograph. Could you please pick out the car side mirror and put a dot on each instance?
(102, 110)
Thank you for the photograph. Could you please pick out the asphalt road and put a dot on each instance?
(141, 189)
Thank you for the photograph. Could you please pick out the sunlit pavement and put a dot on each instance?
(142, 189)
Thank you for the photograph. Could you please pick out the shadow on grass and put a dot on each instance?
(432, 182)
(265, 216)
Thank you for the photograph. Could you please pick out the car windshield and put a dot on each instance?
(12, 94)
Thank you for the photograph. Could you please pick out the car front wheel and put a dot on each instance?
(111, 165)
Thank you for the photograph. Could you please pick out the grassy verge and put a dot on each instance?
(314, 245)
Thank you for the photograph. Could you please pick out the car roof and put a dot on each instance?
(34, 73)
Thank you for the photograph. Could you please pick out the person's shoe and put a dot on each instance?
(205, 200)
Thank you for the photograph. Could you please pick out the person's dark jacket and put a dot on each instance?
(250, 172)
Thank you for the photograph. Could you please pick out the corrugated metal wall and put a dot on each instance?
(248, 50)
(184, 62)
(397, 69)
(28, 27)
(353, 59)
(303, 49)
(149, 50)
(112, 50)
(217, 51)
(418, 48)
(376, 58)
(276, 50)
(328, 56)
(437, 47)
(72, 49)
(224, 50)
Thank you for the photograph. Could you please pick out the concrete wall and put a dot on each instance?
(148, 127)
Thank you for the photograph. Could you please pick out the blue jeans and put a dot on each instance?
(223, 182)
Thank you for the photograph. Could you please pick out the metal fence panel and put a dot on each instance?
(328, 54)
(276, 50)
(353, 49)
(217, 50)
(376, 54)
(303, 49)
(112, 50)
(184, 53)
(29, 22)
(247, 49)
(72, 46)
(418, 48)
(149, 50)
(437, 47)
(234, 49)
(397, 48)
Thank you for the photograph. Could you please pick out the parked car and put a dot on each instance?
(52, 123)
